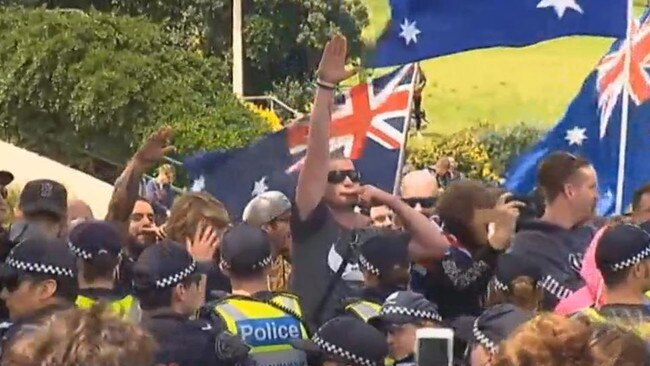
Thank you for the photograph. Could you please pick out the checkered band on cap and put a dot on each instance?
(340, 352)
(368, 266)
(500, 285)
(176, 277)
(483, 339)
(636, 259)
(418, 314)
(79, 252)
(39, 268)
(263, 263)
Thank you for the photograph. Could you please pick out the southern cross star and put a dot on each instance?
(409, 32)
(576, 136)
(260, 187)
(560, 6)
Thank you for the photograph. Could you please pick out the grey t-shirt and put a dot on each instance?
(320, 245)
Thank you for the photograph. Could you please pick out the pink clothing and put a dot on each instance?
(592, 291)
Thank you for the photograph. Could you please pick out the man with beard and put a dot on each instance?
(325, 228)
(559, 239)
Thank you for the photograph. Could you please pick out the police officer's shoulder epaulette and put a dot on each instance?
(349, 301)
(286, 294)
(218, 295)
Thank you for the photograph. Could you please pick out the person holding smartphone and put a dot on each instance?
(401, 315)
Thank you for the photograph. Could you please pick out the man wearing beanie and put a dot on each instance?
(97, 246)
(266, 321)
(623, 258)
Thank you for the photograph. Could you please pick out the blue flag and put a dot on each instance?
(369, 125)
(422, 29)
(592, 125)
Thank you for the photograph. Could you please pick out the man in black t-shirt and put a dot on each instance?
(324, 223)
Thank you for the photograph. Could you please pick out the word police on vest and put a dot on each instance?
(270, 331)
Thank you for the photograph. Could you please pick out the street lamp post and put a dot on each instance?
(237, 50)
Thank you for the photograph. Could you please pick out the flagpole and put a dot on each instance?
(407, 127)
(622, 148)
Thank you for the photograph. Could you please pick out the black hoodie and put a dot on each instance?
(558, 252)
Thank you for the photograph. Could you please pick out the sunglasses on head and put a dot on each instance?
(425, 202)
(338, 176)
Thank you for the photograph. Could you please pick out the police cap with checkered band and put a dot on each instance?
(406, 307)
(40, 256)
(90, 239)
(623, 246)
(163, 265)
(384, 252)
(245, 248)
(347, 339)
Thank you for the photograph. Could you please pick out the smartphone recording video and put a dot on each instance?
(435, 346)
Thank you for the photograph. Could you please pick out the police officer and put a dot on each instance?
(345, 340)
(265, 320)
(170, 290)
(96, 244)
(484, 334)
(401, 315)
(39, 279)
(384, 261)
(623, 259)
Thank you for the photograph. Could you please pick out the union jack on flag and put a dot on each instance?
(377, 110)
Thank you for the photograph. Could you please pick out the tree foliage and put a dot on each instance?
(73, 80)
(282, 38)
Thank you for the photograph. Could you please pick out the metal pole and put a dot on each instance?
(622, 148)
(237, 50)
(407, 125)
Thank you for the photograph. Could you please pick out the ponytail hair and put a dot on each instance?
(522, 292)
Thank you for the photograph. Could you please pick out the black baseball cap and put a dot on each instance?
(385, 252)
(90, 239)
(38, 255)
(163, 265)
(245, 248)
(6, 178)
(511, 266)
(623, 246)
(44, 196)
(348, 339)
(492, 327)
(405, 307)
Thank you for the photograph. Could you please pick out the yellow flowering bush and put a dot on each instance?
(273, 120)
(482, 152)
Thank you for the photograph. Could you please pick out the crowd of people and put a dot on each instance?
(344, 274)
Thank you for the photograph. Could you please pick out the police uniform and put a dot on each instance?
(89, 241)
(45, 257)
(491, 328)
(378, 256)
(266, 321)
(405, 307)
(621, 248)
(181, 341)
(345, 340)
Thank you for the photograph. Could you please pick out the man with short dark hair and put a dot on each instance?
(39, 279)
(559, 239)
(641, 204)
(171, 289)
(623, 259)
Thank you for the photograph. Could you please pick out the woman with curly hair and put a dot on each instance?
(95, 337)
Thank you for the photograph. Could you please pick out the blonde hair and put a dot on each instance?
(189, 210)
(84, 337)
(166, 169)
(547, 340)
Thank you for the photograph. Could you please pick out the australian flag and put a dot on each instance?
(422, 29)
(369, 124)
(592, 124)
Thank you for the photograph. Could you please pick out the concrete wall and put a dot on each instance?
(26, 165)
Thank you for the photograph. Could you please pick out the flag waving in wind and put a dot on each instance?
(592, 125)
(422, 29)
(369, 123)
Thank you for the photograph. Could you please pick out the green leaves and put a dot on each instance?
(71, 81)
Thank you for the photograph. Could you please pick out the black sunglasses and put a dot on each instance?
(425, 202)
(338, 176)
